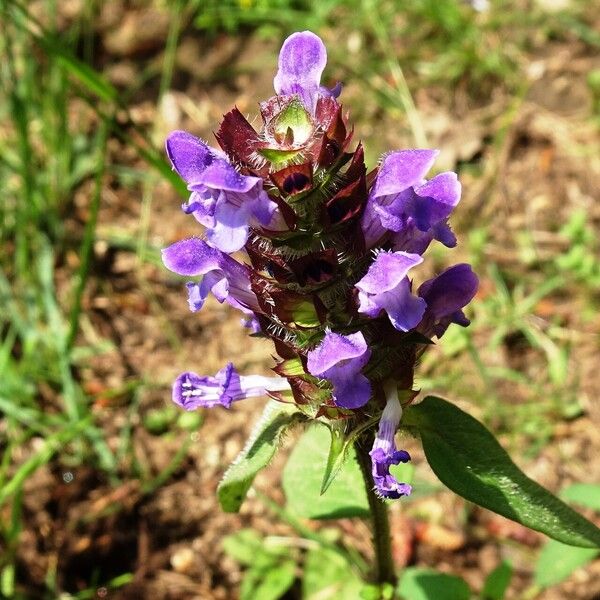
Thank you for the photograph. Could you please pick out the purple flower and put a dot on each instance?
(399, 171)
(222, 199)
(302, 60)
(402, 202)
(192, 391)
(384, 452)
(227, 279)
(340, 359)
(446, 295)
(386, 287)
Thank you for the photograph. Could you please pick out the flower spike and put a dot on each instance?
(326, 251)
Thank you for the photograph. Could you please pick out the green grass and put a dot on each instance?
(58, 114)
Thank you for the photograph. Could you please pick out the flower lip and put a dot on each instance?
(340, 359)
(336, 349)
(201, 166)
(450, 291)
(302, 60)
(189, 155)
(402, 169)
(387, 271)
(191, 257)
(386, 287)
(227, 279)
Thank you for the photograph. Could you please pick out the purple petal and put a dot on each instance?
(191, 391)
(196, 296)
(410, 239)
(384, 452)
(191, 257)
(434, 201)
(302, 60)
(371, 226)
(263, 209)
(387, 271)
(339, 359)
(333, 92)
(386, 485)
(351, 349)
(220, 175)
(442, 233)
(402, 169)
(404, 310)
(450, 291)
(393, 211)
(387, 287)
(189, 155)
(352, 392)
(230, 231)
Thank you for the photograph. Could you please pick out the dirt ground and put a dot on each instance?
(169, 538)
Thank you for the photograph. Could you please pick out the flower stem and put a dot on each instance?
(382, 541)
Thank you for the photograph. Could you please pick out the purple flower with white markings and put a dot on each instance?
(227, 279)
(222, 199)
(340, 359)
(386, 287)
(192, 391)
(384, 453)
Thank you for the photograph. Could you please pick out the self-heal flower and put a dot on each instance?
(329, 252)
(224, 201)
(340, 359)
(384, 452)
(227, 279)
(414, 210)
(399, 171)
(386, 287)
(192, 391)
(446, 295)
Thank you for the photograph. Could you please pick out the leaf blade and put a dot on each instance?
(425, 584)
(256, 454)
(468, 459)
(302, 478)
(557, 561)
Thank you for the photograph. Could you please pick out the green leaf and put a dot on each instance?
(257, 453)
(86, 75)
(339, 447)
(302, 475)
(269, 582)
(469, 460)
(497, 582)
(327, 576)
(425, 584)
(557, 561)
(586, 494)
(243, 546)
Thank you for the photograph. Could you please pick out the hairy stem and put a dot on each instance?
(382, 541)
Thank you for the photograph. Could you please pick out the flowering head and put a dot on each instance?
(331, 254)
